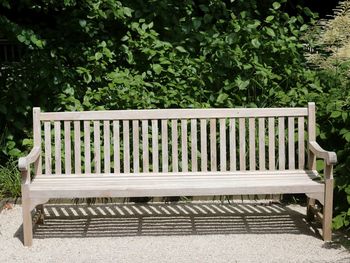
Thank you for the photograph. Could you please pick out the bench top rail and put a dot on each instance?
(173, 114)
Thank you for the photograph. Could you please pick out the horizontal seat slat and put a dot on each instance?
(173, 114)
(168, 185)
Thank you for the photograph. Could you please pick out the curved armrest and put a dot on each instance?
(24, 162)
(329, 157)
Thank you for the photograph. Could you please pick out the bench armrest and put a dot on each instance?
(329, 157)
(24, 162)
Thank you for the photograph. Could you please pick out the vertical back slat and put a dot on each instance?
(126, 142)
(47, 140)
(222, 124)
(184, 151)
(261, 144)
(67, 148)
(165, 161)
(194, 145)
(37, 139)
(97, 150)
(232, 132)
(204, 155)
(77, 148)
(116, 146)
(281, 146)
(87, 150)
(272, 165)
(291, 149)
(213, 160)
(174, 147)
(135, 145)
(145, 153)
(107, 146)
(252, 161)
(155, 161)
(301, 143)
(57, 127)
(242, 157)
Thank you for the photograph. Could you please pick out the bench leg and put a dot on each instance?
(309, 209)
(328, 210)
(27, 223)
(40, 209)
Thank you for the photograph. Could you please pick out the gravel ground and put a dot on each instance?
(168, 233)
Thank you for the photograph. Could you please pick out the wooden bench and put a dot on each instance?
(175, 152)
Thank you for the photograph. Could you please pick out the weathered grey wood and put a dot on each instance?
(261, 144)
(155, 159)
(301, 143)
(204, 155)
(291, 147)
(252, 163)
(272, 165)
(106, 146)
(281, 146)
(67, 148)
(58, 147)
(311, 130)
(232, 132)
(77, 148)
(329, 157)
(242, 148)
(37, 139)
(126, 142)
(165, 161)
(97, 149)
(87, 148)
(213, 160)
(174, 148)
(135, 145)
(127, 186)
(145, 153)
(194, 164)
(116, 146)
(184, 150)
(47, 140)
(223, 152)
(328, 204)
(174, 114)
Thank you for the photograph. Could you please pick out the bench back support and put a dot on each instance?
(172, 140)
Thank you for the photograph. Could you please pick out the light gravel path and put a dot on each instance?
(192, 233)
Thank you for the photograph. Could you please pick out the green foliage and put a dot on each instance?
(330, 43)
(111, 54)
(10, 180)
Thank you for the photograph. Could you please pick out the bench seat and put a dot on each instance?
(170, 184)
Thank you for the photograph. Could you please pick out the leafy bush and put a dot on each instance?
(10, 180)
(330, 42)
(134, 54)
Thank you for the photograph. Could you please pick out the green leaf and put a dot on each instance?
(335, 114)
(255, 43)
(98, 55)
(181, 49)
(27, 142)
(222, 97)
(82, 22)
(276, 5)
(269, 18)
(270, 32)
(303, 27)
(157, 68)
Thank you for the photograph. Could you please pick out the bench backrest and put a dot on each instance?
(172, 140)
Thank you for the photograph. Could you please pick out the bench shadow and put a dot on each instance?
(118, 220)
